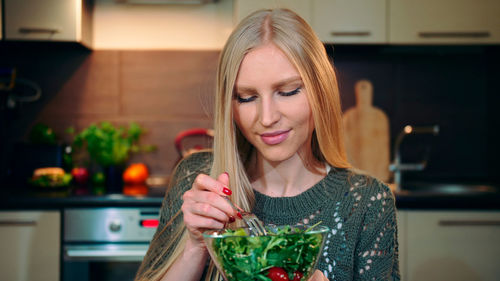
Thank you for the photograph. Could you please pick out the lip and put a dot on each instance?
(275, 137)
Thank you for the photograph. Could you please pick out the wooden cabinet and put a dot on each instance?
(350, 21)
(29, 245)
(449, 245)
(393, 21)
(48, 20)
(243, 8)
(402, 227)
(444, 21)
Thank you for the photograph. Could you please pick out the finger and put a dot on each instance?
(207, 204)
(200, 223)
(318, 276)
(205, 182)
(209, 211)
(224, 179)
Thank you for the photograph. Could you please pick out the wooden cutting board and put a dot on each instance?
(367, 134)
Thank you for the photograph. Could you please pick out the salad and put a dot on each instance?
(286, 254)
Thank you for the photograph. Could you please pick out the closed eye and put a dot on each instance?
(291, 93)
(243, 100)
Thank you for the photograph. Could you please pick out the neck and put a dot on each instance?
(286, 178)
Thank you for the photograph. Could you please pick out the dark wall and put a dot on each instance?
(454, 87)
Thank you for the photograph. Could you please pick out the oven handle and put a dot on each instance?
(106, 254)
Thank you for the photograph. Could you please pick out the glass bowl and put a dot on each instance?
(285, 250)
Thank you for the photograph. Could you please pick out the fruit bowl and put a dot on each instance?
(285, 253)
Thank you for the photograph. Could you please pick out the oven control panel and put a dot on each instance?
(110, 224)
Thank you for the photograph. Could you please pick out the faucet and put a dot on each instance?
(397, 167)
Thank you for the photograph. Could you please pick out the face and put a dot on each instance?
(270, 106)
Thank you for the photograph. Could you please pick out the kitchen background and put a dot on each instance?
(430, 63)
(156, 65)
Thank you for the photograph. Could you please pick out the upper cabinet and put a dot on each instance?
(48, 20)
(393, 21)
(444, 21)
(349, 21)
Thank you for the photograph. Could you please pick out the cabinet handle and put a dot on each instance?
(351, 33)
(17, 223)
(469, 223)
(454, 34)
(38, 30)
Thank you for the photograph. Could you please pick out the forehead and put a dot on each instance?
(265, 64)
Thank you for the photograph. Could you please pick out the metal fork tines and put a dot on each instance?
(255, 226)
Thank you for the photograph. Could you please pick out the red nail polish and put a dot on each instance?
(239, 215)
(227, 191)
(231, 219)
(226, 174)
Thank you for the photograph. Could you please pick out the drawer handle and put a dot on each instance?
(17, 223)
(351, 33)
(456, 34)
(469, 223)
(38, 30)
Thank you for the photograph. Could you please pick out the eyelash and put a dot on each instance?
(284, 94)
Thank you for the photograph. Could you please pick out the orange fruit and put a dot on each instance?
(136, 173)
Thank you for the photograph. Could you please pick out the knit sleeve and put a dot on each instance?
(170, 212)
(376, 255)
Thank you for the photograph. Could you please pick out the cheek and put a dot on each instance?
(241, 117)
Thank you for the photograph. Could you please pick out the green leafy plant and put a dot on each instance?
(108, 145)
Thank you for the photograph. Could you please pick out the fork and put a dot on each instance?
(255, 226)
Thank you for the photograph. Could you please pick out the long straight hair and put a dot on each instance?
(231, 151)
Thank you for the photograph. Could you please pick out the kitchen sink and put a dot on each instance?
(449, 188)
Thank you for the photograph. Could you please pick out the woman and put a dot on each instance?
(278, 151)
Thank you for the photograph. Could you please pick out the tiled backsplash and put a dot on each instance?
(170, 91)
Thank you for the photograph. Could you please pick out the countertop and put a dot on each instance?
(27, 199)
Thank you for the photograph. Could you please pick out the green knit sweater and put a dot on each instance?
(360, 211)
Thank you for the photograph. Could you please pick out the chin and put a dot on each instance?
(276, 155)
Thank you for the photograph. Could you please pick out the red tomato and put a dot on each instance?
(297, 276)
(80, 175)
(277, 274)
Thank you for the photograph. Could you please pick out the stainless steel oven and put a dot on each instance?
(106, 244)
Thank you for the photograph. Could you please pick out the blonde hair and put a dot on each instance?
(231, 151)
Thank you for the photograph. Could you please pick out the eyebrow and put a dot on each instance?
(274, 86)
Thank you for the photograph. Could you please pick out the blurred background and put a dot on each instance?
(146, 68)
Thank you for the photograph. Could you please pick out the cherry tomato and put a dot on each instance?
(297, 276)
(277, 274)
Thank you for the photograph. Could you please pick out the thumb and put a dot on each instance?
(224, 179)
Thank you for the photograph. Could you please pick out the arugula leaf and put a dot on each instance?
(249, 257)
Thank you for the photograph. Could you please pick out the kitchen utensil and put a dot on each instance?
(367, 134)
(181, 136)
(239, 255)
(255, 225)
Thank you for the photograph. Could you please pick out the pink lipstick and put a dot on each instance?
(276, 137)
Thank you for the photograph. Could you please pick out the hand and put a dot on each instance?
(318, 276)
(204, 208)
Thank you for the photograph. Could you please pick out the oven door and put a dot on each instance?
(106, 262)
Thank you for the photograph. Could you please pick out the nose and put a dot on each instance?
(269, 112)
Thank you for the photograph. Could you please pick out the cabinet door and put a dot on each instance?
(444, 21)
(57, 20)
(453, 246)
(29, 246)
(402, 244)
(350, 21)
(243, 8)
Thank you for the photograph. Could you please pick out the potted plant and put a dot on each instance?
(110, 147)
